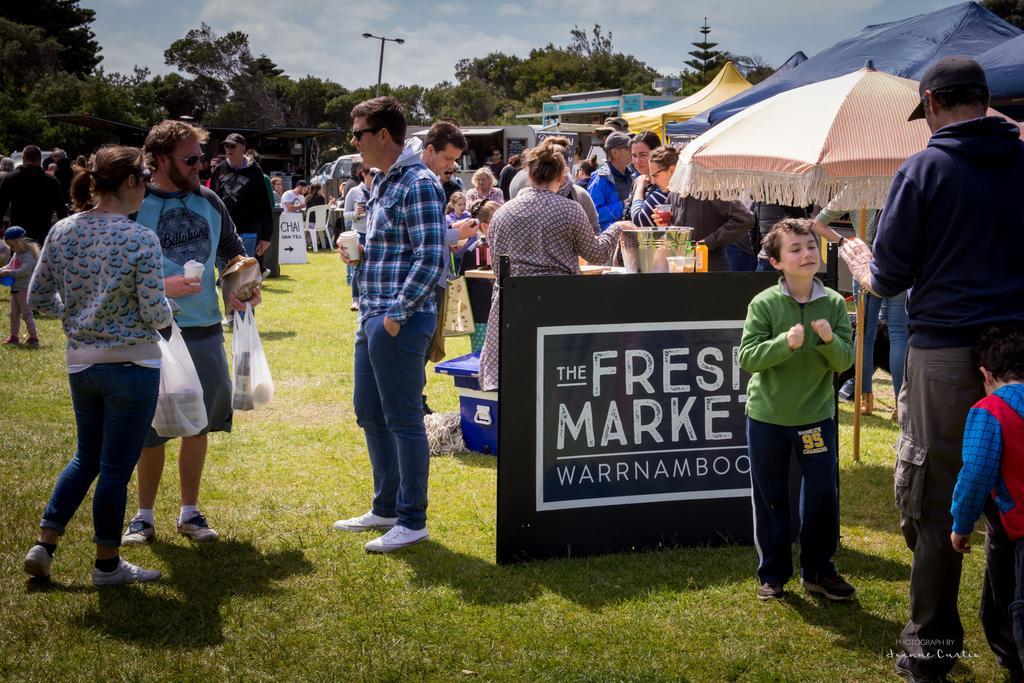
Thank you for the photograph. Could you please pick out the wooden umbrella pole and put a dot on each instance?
(858, 371)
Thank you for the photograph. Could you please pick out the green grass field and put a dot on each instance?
(283, 597)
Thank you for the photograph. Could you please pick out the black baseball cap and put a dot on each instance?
(949, 72)
(235, 139)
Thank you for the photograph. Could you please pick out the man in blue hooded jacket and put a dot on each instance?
(950, 232)
(612, 183)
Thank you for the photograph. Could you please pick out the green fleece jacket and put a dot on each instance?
(792, 388)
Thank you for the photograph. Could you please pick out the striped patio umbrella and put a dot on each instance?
(805, 146)
(846, 135)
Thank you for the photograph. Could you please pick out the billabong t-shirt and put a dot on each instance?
(192, 226)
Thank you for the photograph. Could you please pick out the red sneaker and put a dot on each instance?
(11, 341)
(33, 342)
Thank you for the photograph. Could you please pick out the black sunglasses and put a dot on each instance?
(192, 159)
(141, 173)
(357, 133)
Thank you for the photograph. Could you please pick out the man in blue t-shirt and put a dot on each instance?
(193, 225)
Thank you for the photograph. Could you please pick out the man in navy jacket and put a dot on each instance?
(951, 232)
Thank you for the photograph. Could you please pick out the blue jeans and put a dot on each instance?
(389, 383)
(740, 261)
(114, 405)
(764, 265)
(894, 310)
(770, 447)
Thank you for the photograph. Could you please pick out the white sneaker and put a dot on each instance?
(37, 562)
(126, 572)
(139, 531)
(367, 522)
(197, 529)
(399, 537)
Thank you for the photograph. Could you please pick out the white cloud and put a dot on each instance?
(510, 10)
(452, 8)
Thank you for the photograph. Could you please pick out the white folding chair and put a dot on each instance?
(316, 225)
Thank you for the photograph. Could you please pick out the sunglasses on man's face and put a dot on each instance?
(357, 133)
(191, 159)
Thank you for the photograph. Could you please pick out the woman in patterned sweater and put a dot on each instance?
(101, 274)
(543, 233)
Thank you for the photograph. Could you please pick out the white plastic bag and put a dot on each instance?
(180, 410)
(253, 386)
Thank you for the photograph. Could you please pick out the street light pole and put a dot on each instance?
(380, 65)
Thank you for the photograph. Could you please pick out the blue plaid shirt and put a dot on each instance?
(405, 248)
(982, 453)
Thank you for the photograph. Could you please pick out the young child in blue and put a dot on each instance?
(796, 337)
(456, 209)
(24, 256)
(993, 455)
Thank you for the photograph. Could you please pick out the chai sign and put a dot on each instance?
(640, 413)
(291, 245)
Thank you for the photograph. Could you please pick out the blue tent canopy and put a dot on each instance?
(904, 48)
(1004, 68)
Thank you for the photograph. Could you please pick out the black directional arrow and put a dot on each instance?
(289, 248)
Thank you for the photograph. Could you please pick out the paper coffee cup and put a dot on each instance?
(193, 270)
(349, 241)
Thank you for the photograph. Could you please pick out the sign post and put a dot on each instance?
(622, 421)
(292, 238)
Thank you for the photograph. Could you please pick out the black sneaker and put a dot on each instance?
(905, 670)
(770, 590)
(832, 587)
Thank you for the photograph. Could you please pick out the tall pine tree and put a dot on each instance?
(706, 60)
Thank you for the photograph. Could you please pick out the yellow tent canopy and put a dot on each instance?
(727, 83)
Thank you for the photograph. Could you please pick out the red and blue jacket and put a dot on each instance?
(993, 456)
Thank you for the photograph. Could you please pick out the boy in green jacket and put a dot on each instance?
(797, 334)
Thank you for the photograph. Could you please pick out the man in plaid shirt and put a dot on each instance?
(402, 262)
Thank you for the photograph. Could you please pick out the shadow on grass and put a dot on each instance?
(48, 585)
(597, 581)
(591, 582)
(204, 576)
(855, 628)
(276, 334)
(850, 561)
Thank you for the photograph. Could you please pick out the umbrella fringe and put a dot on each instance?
(787, 189)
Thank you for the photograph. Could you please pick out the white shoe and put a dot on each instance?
(126, 572)
(197, 529)
(37, 562)
(399, 537)
(139, 531)
(367, 522)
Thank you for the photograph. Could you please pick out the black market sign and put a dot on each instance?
(637, 413)
(621, 413)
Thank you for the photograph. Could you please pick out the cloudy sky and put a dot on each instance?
(324, 38)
